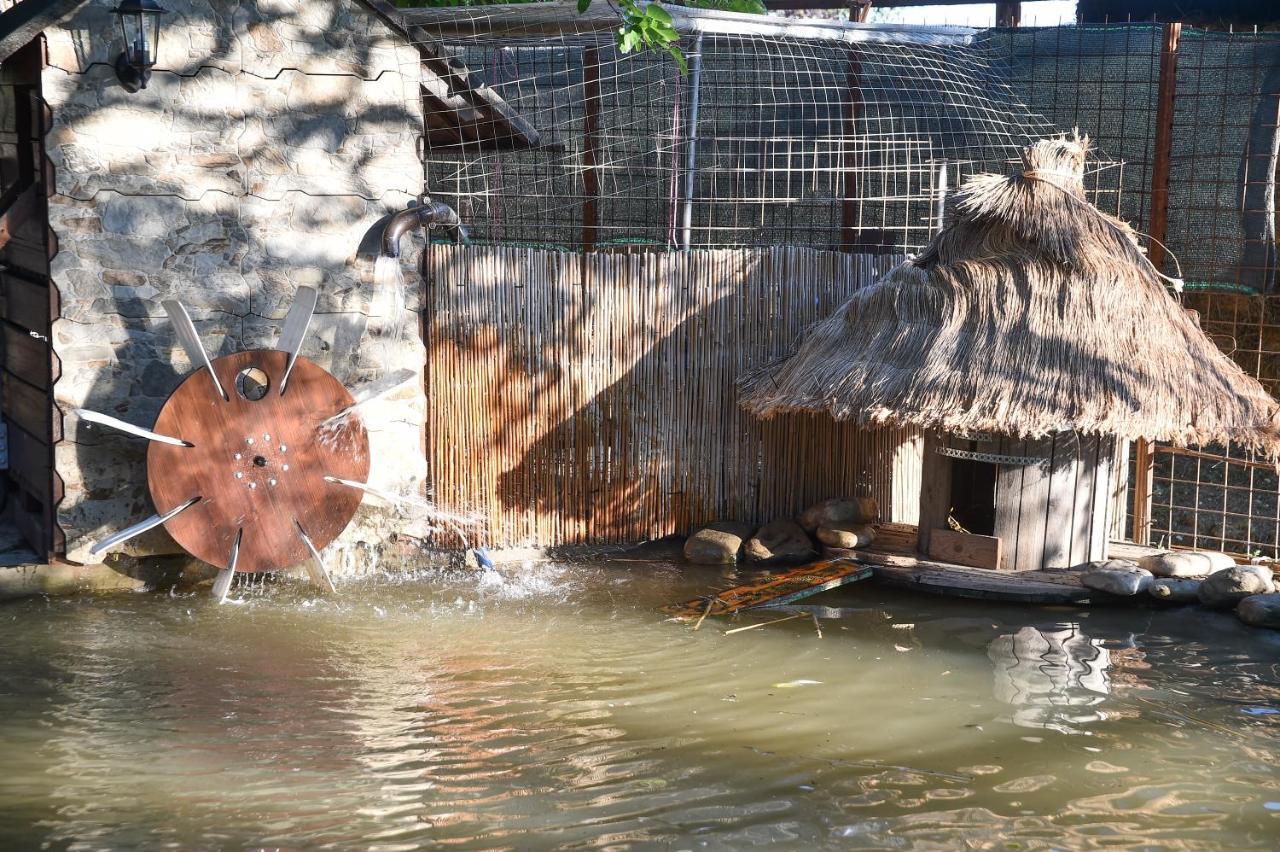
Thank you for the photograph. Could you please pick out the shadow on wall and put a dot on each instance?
(271, 140)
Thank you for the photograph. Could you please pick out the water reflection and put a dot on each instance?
(1055, 679)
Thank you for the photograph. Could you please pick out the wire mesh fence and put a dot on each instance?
(824, 136)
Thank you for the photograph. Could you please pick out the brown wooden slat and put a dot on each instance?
(26, 357)
(27, 303)
(975, 551)
(29, 407)
(30, 460)
(935, 491)
(1063, 476)
(1008, 503)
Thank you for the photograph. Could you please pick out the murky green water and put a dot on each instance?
(561, 710)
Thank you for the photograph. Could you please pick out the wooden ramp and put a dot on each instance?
(779, 589)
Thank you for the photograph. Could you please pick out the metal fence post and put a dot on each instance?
(1157, 219)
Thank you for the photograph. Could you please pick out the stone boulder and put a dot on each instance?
(1186, 563)
(1260, 611)
(1116, 577)
(849, 536)
(717, 543)
(782, 542)
(1225, 589)
(839, 512)
(1175, 589)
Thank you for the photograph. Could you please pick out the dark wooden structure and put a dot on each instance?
(257, 464)
(28, 300)
(989, 501)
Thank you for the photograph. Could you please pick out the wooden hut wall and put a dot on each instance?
(590, 398)
(1052, 514)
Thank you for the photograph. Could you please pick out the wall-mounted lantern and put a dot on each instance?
(140, 26)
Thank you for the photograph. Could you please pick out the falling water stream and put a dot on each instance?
(553, 705)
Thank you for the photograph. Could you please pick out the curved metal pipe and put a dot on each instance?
(428, 214)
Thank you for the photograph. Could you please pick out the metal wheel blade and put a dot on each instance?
(139, 528)
(114, 423)
(222, 584)
(295, 328)
(185, 329)
(315, 568)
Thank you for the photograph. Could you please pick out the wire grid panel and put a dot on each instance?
(768, 140)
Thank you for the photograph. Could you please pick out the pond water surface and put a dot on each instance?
(559, 709)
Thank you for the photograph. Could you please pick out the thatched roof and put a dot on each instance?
(1030, 312)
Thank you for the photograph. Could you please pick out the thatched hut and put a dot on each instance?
(1027, 338)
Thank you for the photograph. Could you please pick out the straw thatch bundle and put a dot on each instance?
(1031, 312)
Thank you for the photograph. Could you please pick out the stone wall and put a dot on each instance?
(272, 138)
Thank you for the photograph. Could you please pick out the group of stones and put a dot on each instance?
(841, 522)
(1211, 579)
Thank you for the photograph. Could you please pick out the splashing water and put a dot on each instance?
(362, 395)
(411, 504)
(390, 323)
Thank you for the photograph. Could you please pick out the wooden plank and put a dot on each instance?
(975, 551)
(923, 575)
(24, 21)
(30, 463)
(935, 491)
(30, 408)
(26, 357)
(788, 587)
(1119, 493)
(1033, 507)
(1100, 517)
(26, 302)
(1061, 512)
(1008, 505)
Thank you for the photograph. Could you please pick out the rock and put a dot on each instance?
(1260, 611)
(1186, 563)
(1116, 576)
(782, 542)
(838, 512)
(847, 535)
(1175, 589)
(1227, 588)
(716, 543)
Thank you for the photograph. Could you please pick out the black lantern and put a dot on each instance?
(140, 26)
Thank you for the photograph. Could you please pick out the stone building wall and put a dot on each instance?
(274, 134)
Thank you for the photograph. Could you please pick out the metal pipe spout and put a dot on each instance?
(428, 214)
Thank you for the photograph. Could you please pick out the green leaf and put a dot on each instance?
(582, 5)
(658, 13)
(678, 55)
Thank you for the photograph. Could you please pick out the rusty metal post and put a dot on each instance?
(849, 208)
(590, 141)
(1157, 224)
(1008, 14)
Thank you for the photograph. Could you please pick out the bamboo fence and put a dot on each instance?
(589, 398)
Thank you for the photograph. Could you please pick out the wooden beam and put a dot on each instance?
(1166, 93)
(1157, 225)
(1008, 13)
(21, 23)
(849, 204)
(590, 139)
(974, 551)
